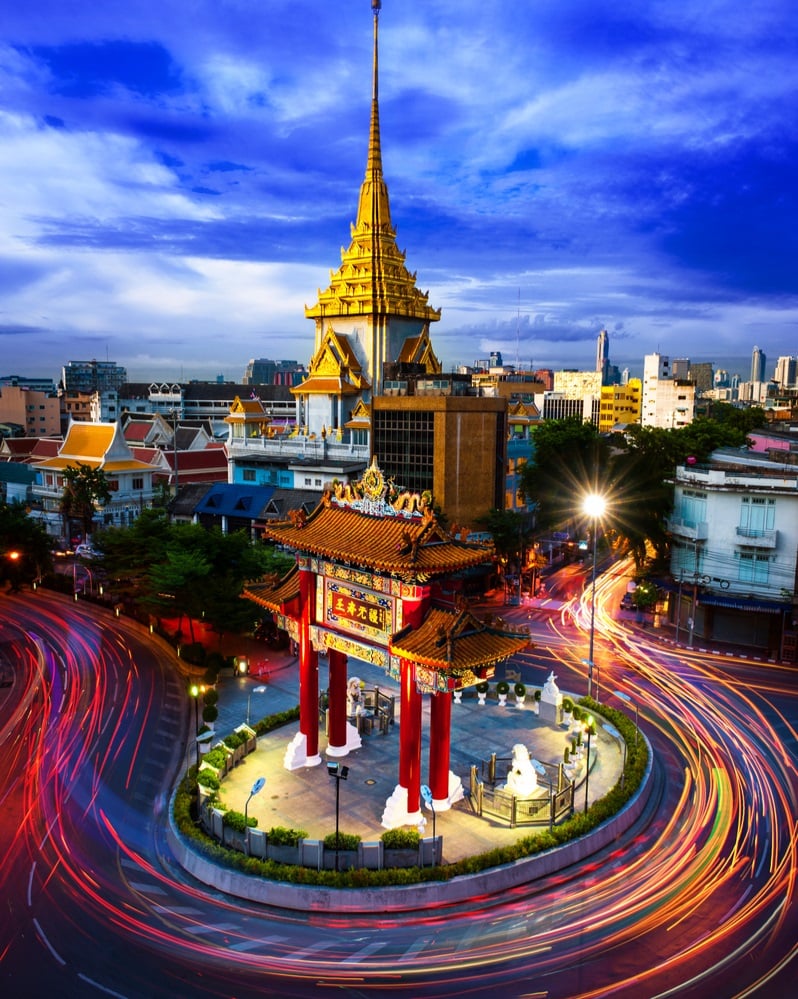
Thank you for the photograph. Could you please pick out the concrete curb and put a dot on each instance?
(409, 897)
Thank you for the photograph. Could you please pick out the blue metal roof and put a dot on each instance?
(228, 499)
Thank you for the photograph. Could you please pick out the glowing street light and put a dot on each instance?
(594, 507)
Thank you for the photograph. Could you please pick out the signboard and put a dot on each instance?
(358, 611)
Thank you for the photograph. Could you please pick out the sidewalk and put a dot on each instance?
(305, 798)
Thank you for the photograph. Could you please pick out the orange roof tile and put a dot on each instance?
(274, 594)
(407, 547)
(457, 642)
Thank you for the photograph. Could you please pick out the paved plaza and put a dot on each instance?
(305, 798)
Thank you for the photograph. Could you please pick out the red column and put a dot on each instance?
(410, 737)
(337, 705)
(439, 744)
(308, 665)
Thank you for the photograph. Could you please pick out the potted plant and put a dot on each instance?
(520, 694)
(567, 711)
(502, 689)
(458, 695)
(482, 690)
(537, 695)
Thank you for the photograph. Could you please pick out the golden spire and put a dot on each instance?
(373, 279)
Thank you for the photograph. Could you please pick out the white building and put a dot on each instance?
(668, 402)
(734, 552)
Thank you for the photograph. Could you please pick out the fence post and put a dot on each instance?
(492, 768)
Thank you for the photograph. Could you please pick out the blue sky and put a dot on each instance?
(177, 179)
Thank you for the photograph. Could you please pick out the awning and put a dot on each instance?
(738, 603)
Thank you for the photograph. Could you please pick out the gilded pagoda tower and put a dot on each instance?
(372, 313)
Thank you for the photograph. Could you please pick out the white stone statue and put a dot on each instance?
(551, 692)
(522, 779)
(354, 705)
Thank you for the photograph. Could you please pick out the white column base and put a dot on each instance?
(455, 794)
(396, 813)
(296, 754)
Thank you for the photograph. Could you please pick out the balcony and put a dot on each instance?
(684, 529)
(757, 539)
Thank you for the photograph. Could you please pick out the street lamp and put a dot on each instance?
(338, 773)
(594, 506)
(426, 794)
(256, 690)
(588, 729)
(613, 731)
(625, 697)
(257, 787)
(194, 690)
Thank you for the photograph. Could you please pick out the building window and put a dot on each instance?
(753, 568)
(248, 475)
(138, 484)
(403, 444)
(693, 507)
(757, 515)
(113, 485)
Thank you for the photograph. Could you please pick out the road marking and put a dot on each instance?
(47, 943)
(102, 988)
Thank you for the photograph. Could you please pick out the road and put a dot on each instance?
(697, 900)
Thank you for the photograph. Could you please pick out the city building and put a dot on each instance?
(620, 405)
(786, 374)
(734, 551)
(667, 402)
(92, 376)
(37, 411)
(603, 356)
(758, 361)
(262, 371)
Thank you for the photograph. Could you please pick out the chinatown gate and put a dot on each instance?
(361, 588)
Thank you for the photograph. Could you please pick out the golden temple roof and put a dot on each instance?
(334, 369)
(456, 640)
(373, 279)
(418, 350)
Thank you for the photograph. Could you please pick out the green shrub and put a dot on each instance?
(537, 695)
(401, 839)
(217, 758)
(345, 841)
(209, 779)
(567, 705)
(211, 696)
(503, 687)
(483, 687)
(210, 713)
(234, 740)
(520, 691)
(280, 836)
(237, 822)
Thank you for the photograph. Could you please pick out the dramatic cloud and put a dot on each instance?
(176, 187)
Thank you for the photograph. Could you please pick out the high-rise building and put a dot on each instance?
(92, 376)
(786, 372)
(603, 355)
(668, 402)
(758, 360)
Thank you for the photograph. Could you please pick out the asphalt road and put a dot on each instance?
(697, 900)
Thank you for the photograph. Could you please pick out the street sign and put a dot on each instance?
(258, 785)
(426, 794)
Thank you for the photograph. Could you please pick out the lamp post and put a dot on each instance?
(338, 773)
(594, 506)
(257, 787)
(256, 690)
(589, 731)
(426, 794)
(625, 697)
(613, 731)
(194, 690)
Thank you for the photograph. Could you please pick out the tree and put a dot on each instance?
(84, 489)
(570, 460)
(24, 546)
